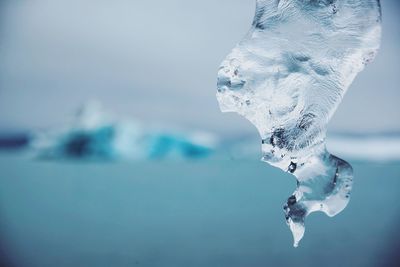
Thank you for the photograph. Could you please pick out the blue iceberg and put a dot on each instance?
(96, 135)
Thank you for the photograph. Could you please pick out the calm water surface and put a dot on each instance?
(204, 213)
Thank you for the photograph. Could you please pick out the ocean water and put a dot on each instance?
(215, 212)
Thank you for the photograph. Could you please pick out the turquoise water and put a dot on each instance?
(172, 213)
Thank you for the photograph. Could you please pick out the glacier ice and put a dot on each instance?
(287, 76)
(95, 134)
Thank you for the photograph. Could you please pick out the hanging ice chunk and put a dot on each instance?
(287, 76)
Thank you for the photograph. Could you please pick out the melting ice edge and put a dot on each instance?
(287, 76)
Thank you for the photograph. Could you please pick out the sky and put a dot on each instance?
(155, 61)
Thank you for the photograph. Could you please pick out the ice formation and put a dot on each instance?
(95, 134)
(287, 76)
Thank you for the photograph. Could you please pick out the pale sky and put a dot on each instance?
(155, 61)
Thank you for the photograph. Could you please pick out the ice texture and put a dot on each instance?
(287, 76)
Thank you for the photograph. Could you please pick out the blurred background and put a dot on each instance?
(155, 61)
(114, 151)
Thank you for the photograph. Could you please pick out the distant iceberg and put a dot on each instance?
(95, 134)
(372, 147)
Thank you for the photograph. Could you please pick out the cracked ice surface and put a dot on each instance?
(287, 76)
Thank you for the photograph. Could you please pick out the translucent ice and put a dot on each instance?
(287, 77)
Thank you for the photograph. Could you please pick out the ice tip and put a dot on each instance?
(296, 240)
(298, 230)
